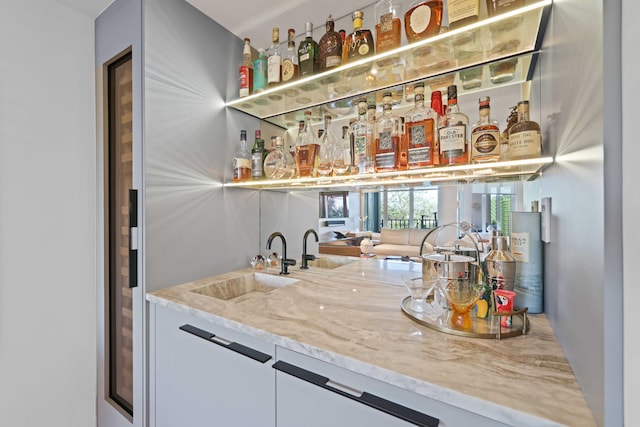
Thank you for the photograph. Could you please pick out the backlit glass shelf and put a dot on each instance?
(526, 169)
(483, 47)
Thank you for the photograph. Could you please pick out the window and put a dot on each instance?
(408, 208)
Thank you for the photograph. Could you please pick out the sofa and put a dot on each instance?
(404, 242)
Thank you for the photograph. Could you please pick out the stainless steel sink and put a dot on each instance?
(330, 262)
(241, 285)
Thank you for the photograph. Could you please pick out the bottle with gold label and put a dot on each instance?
(330, 46)
(388, 24)
(525, 140)
(422, 20)
(358, 44)
(290, 59)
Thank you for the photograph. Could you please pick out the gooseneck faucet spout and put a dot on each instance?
(306, 257)
(284, 262)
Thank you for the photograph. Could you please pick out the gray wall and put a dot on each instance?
(47, 216)
(579, 124)
(194, 227)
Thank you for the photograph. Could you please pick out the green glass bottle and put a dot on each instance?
(308, 53)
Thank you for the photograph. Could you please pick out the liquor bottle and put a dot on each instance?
(274, 59)
(371, 113)
(454, 133)
(306, 149)
(290, 59)
(388, 24)
(358, 44)
(388, 137)
(242, 160)
(485, 135)
(257, 156)
(279, 164)
(403, 148)
(260, 72)
(308, 53)
(512, 119)
(330, 47)
(246, 70)
(496, 7)
(436, 105)
(328, 147)
(342, 158)
(420, 124)
(422, 20)
(525, 140)
(363, 143)
(462, 12)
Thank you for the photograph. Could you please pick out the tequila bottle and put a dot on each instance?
(485, 135)
(525, 140)
(290, 59)
(453, 135)
(388, 137)
(363, 143)
(420, 124)
(274, 60)
(330, 46)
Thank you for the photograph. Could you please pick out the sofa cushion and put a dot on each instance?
(417, 234)
(386, 249)
(394, 237)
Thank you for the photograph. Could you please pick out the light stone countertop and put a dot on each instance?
(350, 316)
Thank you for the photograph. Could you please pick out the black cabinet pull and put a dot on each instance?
(233, 346)
(133, 238)
(371, 400)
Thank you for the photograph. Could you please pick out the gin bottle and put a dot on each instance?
(485, 135)
(308, 53)
(260, 72)
(363, 144)
(388, 137)
(453, 134)
(420, 125)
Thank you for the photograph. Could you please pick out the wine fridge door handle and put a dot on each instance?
(371, 400)
(230, 345)
(133, 238)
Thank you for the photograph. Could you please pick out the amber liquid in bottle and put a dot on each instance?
(387, 33)
(462, 12)
(358, 44)
(420, 124)
(423, 20)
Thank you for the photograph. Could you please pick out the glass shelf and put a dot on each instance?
(510, 39)
(527, 169)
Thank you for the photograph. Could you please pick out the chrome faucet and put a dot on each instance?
(284, 262)
(305, 256)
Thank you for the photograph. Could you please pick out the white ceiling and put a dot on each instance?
(253, 18)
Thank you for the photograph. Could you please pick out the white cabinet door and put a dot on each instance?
(206, 375)
(313, 393)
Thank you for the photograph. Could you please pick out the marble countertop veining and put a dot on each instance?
(350, 316)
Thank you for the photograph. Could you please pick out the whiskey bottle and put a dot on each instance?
(290, 59)
(422, 20)
(306, 149)
(260, 72)
(525, 140)
(512, 119)
(246, 70)
(403, 148)
(462, 12)
(242, 160)
(330, 47)
(274, 59)
(371, 113)
(308, 53)
(257, 156)
(436, 105)
(453, 134)
(363, 143)
(279, 164)
(485, 135)
(388, 24)
(388, 137)
(358, 44)
(420, 124)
